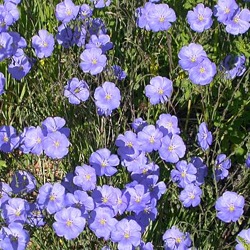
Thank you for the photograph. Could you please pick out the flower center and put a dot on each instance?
(169, 125)
(151, 139)
(129, 144)
(226, 10)
(94, 61)
(171, 148)
(104, 199)
(193, 59)
(202, 70)
(5, 139)
(231, 207)
(104, 163)
(160, 91)
(52, 197)
(162, 19)
(68, 12)
(126, 235)
(236, 19)
(183, 174)
(108, 97)
(191, 196)
(178, 240)
(38, 140)
(45, 44)
(56, 144)
(18, 212)
(200, 17)
(77, 90)
(87, 176)
(69, 223)
(102, 221)
(138, 199)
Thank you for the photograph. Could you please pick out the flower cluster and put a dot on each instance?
(194, 59)
(155, 17)
(52, 138)
(237, 21)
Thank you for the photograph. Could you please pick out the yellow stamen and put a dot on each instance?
(94, 61)
(69, 223)
(102, 221)
(202, 70)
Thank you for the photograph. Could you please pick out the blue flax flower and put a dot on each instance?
(69, 223)
(203, 73)
(66, 11)
(9, 140)
(119, 73)
(76, 91)
(104, 162)
(175, 239)
(14, 237)
(102, 41)
(101, 222)
(64, 36)
(234, 66)
(85, 177)
(245, 235)
(202, 169)
(101, 3)
(43, 43)
(16, 210)
(127, 233)
(191, 56)
(5, 193)
(168, 124)
(229, 206)
(172, 148)
(150, 138)
(240, 22)
(51, 197)
(222, 164)
(224, 10)
(204, 136)
(160, 17)
(107, 98)
(85, 11)
(23, 182)
(56, 145)
(184, 174)
(190, 196)
(159, 90)
(200, 18)
(93, 61)
(6, 49)
(35, 216)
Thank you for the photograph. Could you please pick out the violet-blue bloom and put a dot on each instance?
(56, 145)
(240, 22)
(6, 42)
(245, 235)
(127, 233)
(191, 56)
(6, 19)
(51, 197)
(202, 169)
(172, 148)
(76, 91)
(20, 66)
(96, 26)
(12, 9)
(107, 98)
(119, 73)
(203, 73)
(85, 177)
(204, 136)
(69, 223)
(32, 141)
(148, 245)
(229, 206)
(150, 138)
(222, 164)
(101, 222)
(22, 182)
(101, 3)
(159, 90)
(102, 41)
(200, 18)
(190, 196)
(53, 124)
(5, 193)
(104, 162)
(67, 182)
(184, 174)
(15, 210)
(43, 43)
(14, 237)
(175, 239)
(79, 36)
(35, 216)
(224, 10)
(19, 42)
(104, 196)
(233, 66)
(2, 83)
(128, 145)
(93, 61)
(138, 124)
(142, 14)
(66, 11)
(9, 139)
(64, 36)
(85, 11)
(161, 17)
(136, 164)
(168, 124)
